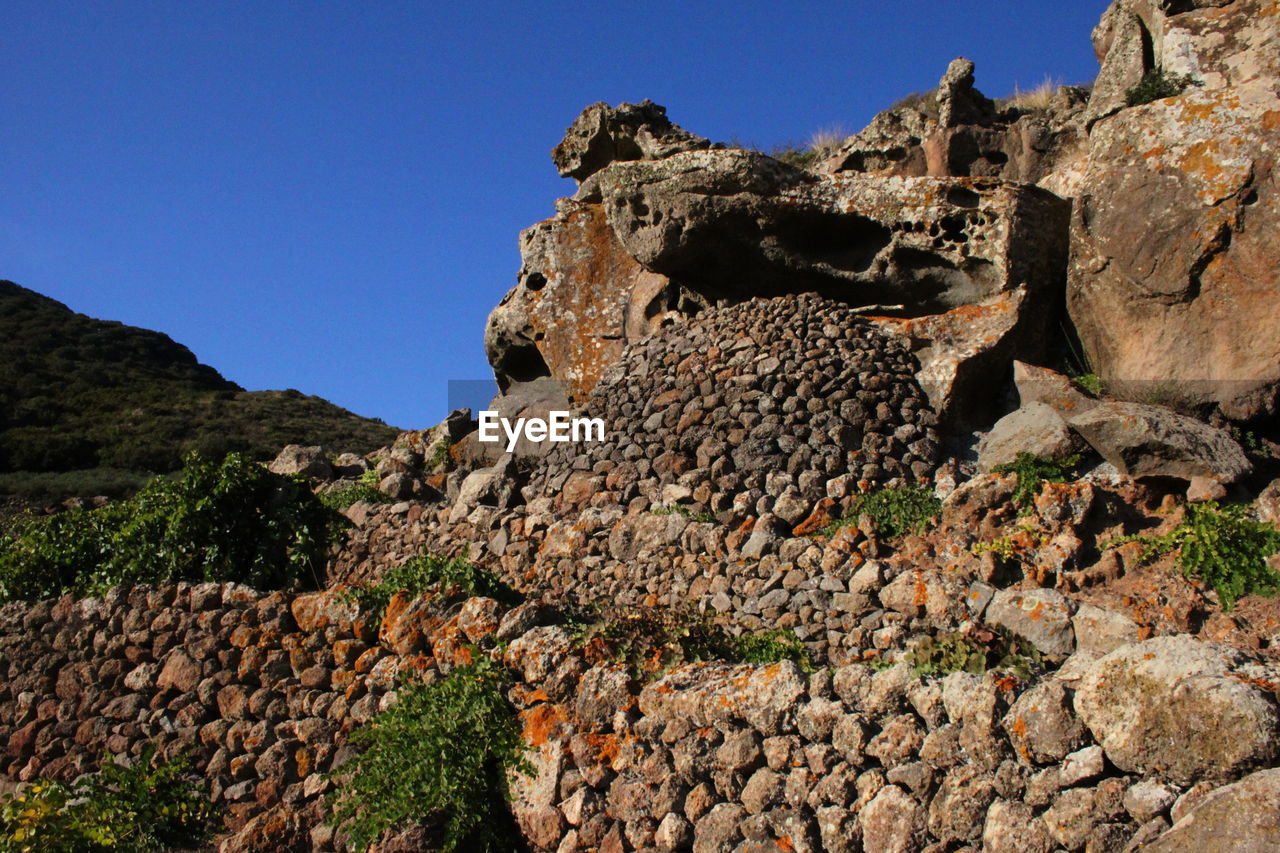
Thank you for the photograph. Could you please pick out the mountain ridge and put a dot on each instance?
(79, 394)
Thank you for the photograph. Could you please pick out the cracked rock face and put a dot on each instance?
(1173, 235)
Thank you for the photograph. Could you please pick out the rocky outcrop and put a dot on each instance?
(1176, 220)
(957, 131)
(605, 134)
(965, 269)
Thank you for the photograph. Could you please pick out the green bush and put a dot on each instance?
(1156, 84)
(894, 512)
(975, 651)
(432, 573)
(347, 494)
(1220, 546)
(215, 521)
(1091, 383)
(148, 806)
(680, 509)
(650, 641)
(441, 754)
(1033, 472)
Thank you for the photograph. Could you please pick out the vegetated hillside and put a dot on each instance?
(89, 406)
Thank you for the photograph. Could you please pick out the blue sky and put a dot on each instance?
(326, 196)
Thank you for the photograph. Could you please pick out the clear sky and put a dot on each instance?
(326, 196)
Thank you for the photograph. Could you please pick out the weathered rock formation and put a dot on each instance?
(1174, 288)
(965, 269)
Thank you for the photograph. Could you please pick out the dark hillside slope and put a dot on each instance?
(116, 403)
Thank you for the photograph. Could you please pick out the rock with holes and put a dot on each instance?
(603, 134)
(1177, 707)
(965, 264)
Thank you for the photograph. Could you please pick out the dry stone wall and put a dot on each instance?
(264, 688)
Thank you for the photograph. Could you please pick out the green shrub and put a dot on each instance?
(1220, 546)
(1033, 472)
(349, 493)
(1154, 85)
(147, 806)
(770, 647)
(1091, 383)
(680, 509)
(440, 754)
(438, 455)
(216, 521)
(453, 577)
(894, 512)
(650, 641)
(975, 651)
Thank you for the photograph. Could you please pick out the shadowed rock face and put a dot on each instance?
(1173, 283)
(964, 269)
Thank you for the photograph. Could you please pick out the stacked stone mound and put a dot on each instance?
(714, 409)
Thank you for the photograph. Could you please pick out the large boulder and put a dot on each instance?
(306, 461)
(1149, 441)
(1178, 708)
(1242, 817)
(1173, 284)
(966, 269)
(603, 134)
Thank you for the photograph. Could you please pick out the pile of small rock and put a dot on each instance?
(750, 409)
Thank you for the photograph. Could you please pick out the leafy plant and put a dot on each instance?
(649, 641)
(1221, 546)
(432, 573)
(350, 493)
(216, 521)
(894, 512)
(1091, 383)
(149, 805)
(369, 477)
(975, 651)
(680, 509)
(440, 754)
(1033, 472)
(1014, 544)
(771, 647)
(439, 453)
(1156, 84)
